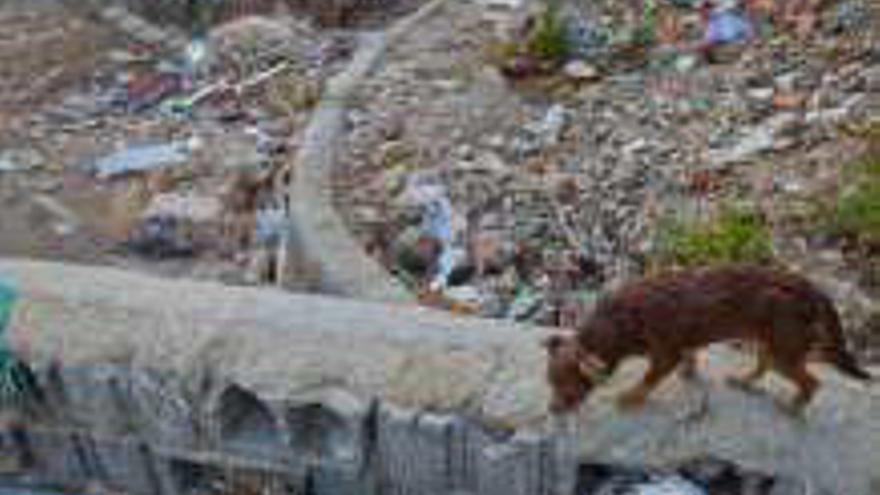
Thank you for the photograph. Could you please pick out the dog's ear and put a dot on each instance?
(554, 342)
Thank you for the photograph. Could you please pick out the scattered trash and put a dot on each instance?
(415, 254)
(7, 165)
(465, 294)
(580, 70)
(789, 101)
(146, 92)
(763, 137)
(698, 476)
(270, 226)
(850, 17)
(20, 160)
(504, 4)
(672, 485)
(586, 38)
(437, 223)
(755, 141)
(161, 237)
(548, 131)
(726, 27)
(196, 55)
(141, 158)
(185, 105)
(761, 94)
(685, 63)
(525, 305)
(186, 206)
(522, 67)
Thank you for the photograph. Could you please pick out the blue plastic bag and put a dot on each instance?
(728, 27)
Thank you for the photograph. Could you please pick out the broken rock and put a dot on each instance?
(580, 71)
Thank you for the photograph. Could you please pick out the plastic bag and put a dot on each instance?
(728, 27)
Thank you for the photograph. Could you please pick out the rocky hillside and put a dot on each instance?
(531, 179)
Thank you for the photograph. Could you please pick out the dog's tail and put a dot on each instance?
(846, 364)
(834, 349)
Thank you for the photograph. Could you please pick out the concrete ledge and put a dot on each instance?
(276, 344)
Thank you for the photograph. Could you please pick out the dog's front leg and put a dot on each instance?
(660, 368)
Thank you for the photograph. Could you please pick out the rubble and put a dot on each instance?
(641, 144)
(657, 130)
(195, 110)
(581, 71)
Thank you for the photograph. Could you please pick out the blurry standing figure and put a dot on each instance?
(20, 394)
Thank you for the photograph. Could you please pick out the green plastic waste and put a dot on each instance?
(8, 296)
(17, 383)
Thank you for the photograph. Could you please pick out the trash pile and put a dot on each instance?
(700, 476)
(584, 41)
(526, 202)
(139, 152)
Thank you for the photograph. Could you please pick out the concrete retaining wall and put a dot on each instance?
(160, 387)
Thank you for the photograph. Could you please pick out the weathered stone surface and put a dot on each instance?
(278, 346)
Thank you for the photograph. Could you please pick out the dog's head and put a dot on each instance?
(572, 371)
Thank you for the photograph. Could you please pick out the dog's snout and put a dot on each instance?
(560, 405)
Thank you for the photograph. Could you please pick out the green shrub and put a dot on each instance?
(736, 235)
(857, 212)
(549, 41)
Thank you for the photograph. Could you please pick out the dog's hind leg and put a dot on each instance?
(796, 371)
(747, 380)
(659, 369)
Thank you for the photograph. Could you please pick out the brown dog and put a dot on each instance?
(666, 318)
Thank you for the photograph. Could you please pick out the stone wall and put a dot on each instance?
(160, 386)
(157, 387)
(127, 430)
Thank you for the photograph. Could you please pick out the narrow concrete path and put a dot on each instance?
(320, 236)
